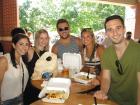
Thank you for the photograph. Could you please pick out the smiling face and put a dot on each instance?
(43, 40)
(63, 30)
(87, 38)
(22, 46)
(115, 31)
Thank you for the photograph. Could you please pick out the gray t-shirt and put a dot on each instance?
(72, 47)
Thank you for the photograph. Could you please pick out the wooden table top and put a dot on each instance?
(74, 98)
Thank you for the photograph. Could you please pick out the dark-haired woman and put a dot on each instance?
(15, 74)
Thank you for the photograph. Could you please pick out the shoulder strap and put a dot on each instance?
(93, 53)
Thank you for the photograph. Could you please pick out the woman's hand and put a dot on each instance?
(95, 81)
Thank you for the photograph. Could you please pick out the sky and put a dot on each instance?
(20, 2)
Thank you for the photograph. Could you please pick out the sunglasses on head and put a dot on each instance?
(63, 29)
(119, 67)
(87, 29)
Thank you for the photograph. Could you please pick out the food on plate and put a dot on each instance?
(56, 94)
(56, 90)
(83, 77)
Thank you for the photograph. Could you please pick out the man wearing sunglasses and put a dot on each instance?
(121, 66)
(66, 43)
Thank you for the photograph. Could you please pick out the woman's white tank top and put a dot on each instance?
(12, 81)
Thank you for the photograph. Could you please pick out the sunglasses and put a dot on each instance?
(119, 67)
(63, 29)
(86, 29)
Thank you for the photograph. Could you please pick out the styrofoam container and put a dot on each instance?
(56, 84)
(77, 77)
(72, 61)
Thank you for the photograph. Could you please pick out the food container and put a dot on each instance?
(72, 61)
(56, 90)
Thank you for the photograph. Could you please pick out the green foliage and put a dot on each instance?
(79, 13)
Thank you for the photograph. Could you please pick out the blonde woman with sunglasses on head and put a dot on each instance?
(92, 54)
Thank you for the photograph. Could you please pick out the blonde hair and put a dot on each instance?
(37, 36)
(90, 31)
(87, 30)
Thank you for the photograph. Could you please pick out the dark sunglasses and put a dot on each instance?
(119, 67)
(63, 29)
(86, 29)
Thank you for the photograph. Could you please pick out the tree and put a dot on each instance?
(31, 17)
(79, 13)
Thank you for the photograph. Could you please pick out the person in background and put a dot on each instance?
(41, 45)
(14, 72)
(17, 30)
(128, 35)
(92, 54)
(139, 41)
(66, 43)
(30, 35)
(120, 66)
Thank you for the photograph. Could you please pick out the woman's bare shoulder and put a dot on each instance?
(3, 59)
(3, 63)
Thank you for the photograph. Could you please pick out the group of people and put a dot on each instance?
(117, 67)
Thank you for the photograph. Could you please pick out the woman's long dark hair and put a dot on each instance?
(15, 39)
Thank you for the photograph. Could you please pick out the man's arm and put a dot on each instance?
(54, 49)
(79, 43)
(105, 85)
(138, 97)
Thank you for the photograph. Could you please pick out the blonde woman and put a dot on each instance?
(41, 46)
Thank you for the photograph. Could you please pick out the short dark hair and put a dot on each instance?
(17, 30)
(112, 18)
(61, 21)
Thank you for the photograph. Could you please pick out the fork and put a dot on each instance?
(95, 101)
(88, 74)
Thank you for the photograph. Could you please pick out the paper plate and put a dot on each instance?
(82, 77)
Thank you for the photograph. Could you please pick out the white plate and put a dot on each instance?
(82, 77)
